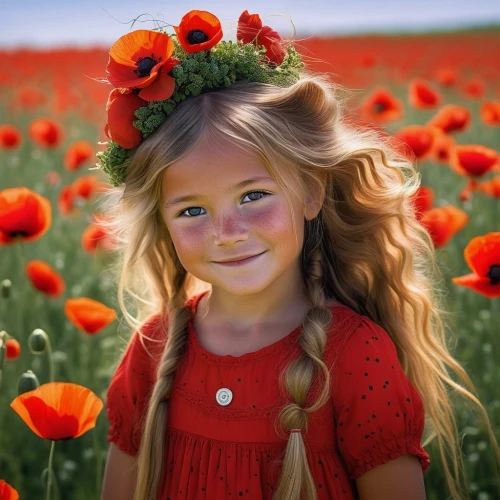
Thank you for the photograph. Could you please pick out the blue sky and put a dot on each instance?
(50, 23)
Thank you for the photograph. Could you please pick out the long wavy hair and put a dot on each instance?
(365, 248)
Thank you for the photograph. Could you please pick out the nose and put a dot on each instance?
(229, 228)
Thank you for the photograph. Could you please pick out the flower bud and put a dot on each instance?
(28, 381)
(37, 341)
(5, 287)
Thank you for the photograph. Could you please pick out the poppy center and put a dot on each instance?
(494, 274)
(15, 234)
(197, 36)
(379, 107)
(146, 65)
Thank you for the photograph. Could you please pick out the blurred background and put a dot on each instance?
(424, 72)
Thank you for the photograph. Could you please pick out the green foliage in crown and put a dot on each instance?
(221, 66)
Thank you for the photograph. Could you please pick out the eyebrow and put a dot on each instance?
(235, 187)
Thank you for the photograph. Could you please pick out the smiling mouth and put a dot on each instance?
(242, 261)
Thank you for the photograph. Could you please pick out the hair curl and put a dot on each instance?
(366, 249)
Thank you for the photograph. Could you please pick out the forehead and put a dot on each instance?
(212, 163)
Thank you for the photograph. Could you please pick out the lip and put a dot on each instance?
(242, 261)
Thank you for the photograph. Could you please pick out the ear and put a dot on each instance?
(315, 198)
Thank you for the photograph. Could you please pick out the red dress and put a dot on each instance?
(217, 451)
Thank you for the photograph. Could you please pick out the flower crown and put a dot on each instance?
(152, 72)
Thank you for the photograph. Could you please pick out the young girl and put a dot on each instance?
(289, 341)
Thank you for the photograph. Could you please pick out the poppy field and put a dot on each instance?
(61, 334)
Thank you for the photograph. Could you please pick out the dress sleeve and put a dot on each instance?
(130, 387)
(379, 413)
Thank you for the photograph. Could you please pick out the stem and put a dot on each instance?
(50, 359)
(22, 289)
(49, 479)
(97, 451)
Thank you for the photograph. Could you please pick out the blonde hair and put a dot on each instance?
(365, 248)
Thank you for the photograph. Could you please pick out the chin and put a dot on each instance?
(251, 286)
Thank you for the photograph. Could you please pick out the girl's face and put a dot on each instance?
(224, 221)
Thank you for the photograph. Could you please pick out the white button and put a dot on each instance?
(224, 396)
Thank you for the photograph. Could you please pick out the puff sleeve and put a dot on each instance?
(130, 387)
(379, 413)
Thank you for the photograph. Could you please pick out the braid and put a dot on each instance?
(296, 476)
(152, 448)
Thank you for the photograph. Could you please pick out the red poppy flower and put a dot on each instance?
(446, 77)
(13, 349)
(419, 138)
(250, 30)
(95, 237)
(89, 315)
(490, 113)
(198, 30)
(142, 60)
(86, 185)
(451, 118)
(423, 200)
(473, 159)
(490, 187)
(121, 107)
(482, 255)
(7, 492)
(65, 200)
(45, 132)
(442, 145)
(77, 154)
(10, 137)
(44, 278)
(24, 215)
(382, 106)
(367, 61)
(474, 88)
(443, 223)
(422, 95)
(58, 410)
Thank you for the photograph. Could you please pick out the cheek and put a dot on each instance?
(187, 239)
(275, 221)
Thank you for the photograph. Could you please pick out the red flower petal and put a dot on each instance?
(89, 315)
(24, 215)
(161, 89)
(422, 95)
(473, 159)
(13, 349)
(44, 278)
(419, 138)
(58, 410)
(10, 137)
(7, 492)
(77, 154)
(451, 118)
(482, 252)
(271, 40)
(382, 106)
(249, 26)
(120, 127)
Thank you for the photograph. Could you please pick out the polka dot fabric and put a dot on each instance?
(380, 415)
(234, 451)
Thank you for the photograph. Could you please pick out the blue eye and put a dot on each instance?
(180, 214)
